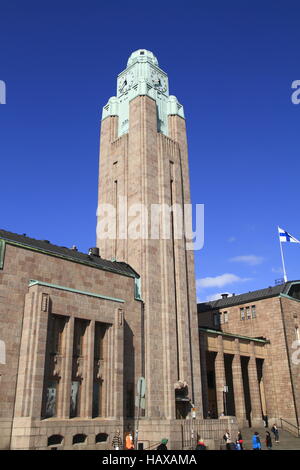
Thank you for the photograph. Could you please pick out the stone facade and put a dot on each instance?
(147, 167)
(72, 291)
(273, 367)
(78, 330)
(148, 315)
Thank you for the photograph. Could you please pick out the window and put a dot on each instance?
(55, 439)
(253, 311)
(248, 313)
(50, 405)
(216, 320)
(242, 313)
(225, 317)
(79, 439)
(53, 357)
(101, 437)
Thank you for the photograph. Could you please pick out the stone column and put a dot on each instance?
(29, 391)
(203, 366)
(256, 412)
(32, 355)
(66, 375)
(118, 363)
(220, 375)
(87, 392)
(108, 374)
(239, 397)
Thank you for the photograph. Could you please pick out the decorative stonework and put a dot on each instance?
(142, 77)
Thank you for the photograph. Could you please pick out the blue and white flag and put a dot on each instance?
(286, 237)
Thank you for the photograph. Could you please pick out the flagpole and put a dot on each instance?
(282, 258)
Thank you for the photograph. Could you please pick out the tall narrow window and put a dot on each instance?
(56, 326)
(242, 313)
(225, 317)
(248, 313)
(216, 320)
(253, 311)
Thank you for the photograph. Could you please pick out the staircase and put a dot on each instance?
(287, 441)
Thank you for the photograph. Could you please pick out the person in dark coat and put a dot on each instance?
(268, 440)
(162, 445)
(275, 432)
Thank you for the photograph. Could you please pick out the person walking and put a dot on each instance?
(227, 439)
(256, 445)
(240, 439)
(275, 431)
(238, 445)
(163, 445)
(268, 440)
(117, 441)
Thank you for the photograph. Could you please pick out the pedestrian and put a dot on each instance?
(227, 439)
(163, 445)
(200, 445)
(238, 445)
(268, 440)
(117, 441)
(265, 418)
(256, 445)
(275, 431)
(240, 439)
(129, 445)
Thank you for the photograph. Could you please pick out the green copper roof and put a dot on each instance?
(232, 335)
(142, 77)
(34, 282)
(142, 55)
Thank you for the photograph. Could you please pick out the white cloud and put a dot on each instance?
(231, 239)
(219, 281)
(251, 260)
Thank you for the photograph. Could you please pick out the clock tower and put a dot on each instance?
(144, 166)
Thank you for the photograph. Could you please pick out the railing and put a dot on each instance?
(290, 427)
(207, 429)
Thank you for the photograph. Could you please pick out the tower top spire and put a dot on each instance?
(142, 55)
(142, 77)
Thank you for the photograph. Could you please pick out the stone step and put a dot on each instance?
(287, 441)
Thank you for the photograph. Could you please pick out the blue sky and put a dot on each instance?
(231, 64)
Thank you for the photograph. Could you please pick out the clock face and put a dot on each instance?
(158, 81)
(126, 82)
